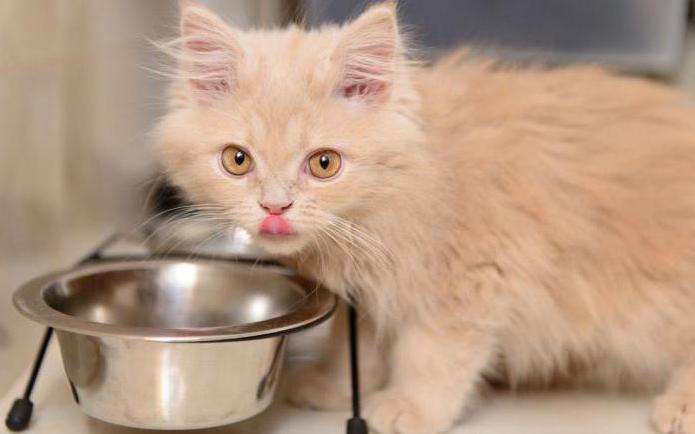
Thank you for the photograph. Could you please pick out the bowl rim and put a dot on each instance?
(317, 306)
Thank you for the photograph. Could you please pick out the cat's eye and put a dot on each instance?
(235, 160)
(325, 164)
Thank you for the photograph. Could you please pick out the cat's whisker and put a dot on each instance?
(172, 211)
(336, 235)
(170, 230)
(205, 240)
(354, 227)
(350, 249)
(337, 240)
(361, 241)
(375, 247)
(339, 221)
(179, 216)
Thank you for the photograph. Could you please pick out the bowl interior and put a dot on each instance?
(176, 296)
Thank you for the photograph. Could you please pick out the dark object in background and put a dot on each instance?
(636, 35)
(174, 224)
(165, 197)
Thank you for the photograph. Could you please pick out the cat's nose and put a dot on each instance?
(275, 208)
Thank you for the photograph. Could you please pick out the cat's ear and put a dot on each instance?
(368, 53)
(210, 53)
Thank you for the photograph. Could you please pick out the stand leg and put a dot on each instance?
(20, 413)
(355, 425)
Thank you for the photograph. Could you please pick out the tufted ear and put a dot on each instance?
(210, 53)
(368, 52)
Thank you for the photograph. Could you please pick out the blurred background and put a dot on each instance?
(79, 97)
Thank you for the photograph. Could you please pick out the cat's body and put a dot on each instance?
(580, 186)
(530, 226)
(573, 193)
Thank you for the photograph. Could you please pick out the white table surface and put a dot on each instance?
(551, 412)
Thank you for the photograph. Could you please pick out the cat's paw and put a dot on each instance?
(308, 386)
(674, 414)
(392, 411)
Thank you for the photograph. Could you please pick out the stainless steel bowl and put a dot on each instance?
(173, 344)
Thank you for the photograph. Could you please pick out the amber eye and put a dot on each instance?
(235, 160)
(324, 164)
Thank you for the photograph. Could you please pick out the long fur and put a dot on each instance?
(530, 226)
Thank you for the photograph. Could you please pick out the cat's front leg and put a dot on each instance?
(435, 373)
(325, 384)
(674, 410)
(438, 361)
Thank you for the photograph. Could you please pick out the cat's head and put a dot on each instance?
(289, 133)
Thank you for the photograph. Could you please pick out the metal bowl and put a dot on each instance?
(168, 344)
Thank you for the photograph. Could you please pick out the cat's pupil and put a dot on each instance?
(239, 157)
(324, 161)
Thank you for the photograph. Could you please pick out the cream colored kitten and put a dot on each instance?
(529, 226)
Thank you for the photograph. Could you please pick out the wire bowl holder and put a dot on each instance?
(20, 413)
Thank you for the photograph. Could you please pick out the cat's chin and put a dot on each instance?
(284, 245)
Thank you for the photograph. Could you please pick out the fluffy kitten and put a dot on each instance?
(531, 226)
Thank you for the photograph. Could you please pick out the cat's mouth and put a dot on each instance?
(275, 226)
(277, 235)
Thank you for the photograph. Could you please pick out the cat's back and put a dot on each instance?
(462, 97)
(597, 168)
(540, 126)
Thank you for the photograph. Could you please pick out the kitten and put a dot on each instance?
(529, 226)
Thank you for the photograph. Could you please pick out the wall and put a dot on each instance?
(78, 100)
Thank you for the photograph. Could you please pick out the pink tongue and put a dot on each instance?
(275, 225)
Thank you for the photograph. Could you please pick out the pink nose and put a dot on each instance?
(275, 208)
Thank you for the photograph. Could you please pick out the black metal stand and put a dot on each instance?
(20, 413)
(355, 425)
